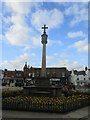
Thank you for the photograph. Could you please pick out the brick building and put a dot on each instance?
(32, 72)
(53, 72)
(13, 76)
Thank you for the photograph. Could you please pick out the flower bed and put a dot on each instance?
(48, 104)
(11, 93)
(70, 93)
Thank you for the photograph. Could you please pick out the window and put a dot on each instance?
(77, 78)
(33, 74)
(77, 83)
(37, 74)
(19, 74)
(63, 75)
(54, 74)
(84, 78)
(48, 74)
(12, 75)
(29, 74)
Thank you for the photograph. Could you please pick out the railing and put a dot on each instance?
(48, 107)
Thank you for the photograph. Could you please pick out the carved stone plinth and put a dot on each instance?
(42, 91)
(42, 81)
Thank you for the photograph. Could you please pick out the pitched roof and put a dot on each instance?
(79, 72)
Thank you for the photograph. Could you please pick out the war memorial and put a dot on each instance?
(42, 97)
(42, 83)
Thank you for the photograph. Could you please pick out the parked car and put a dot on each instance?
(4, 84)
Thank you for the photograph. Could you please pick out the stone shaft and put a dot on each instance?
(44, 42)
(43, 72)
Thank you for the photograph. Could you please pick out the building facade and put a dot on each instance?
(1, 76)
(87, 70)
(13, 76)
(80, 78)
(65, 77)
(62, 73)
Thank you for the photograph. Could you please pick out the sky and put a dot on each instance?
(21, 34)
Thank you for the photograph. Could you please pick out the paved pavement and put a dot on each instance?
(79, 114)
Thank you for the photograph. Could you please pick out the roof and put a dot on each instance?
(79, 72)
(13, 71)
(51, 68)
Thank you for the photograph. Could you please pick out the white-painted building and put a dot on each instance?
(88, 75)
(1, 76)
(80, 78)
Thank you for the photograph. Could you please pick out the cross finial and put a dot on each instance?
(44, 29)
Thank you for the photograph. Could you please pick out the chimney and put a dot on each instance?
(85, 68)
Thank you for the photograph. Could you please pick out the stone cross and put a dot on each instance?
(44, 29)
(44, 42)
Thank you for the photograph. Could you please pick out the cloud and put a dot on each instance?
(18, 7)
(81, 46)
(26, 48)
(63, 61)
(79, 12)
(67, 1)
(16, 63)
(19, 33)
(49, 59)
(19, 61)
(0, 22)
(69, 65)
(52, 18)
(24, 1)
(64, 55)
(46, 1)
(36, 41)
(54, 42)
(75, 34)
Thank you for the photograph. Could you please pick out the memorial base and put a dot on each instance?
(42, 88)
(42, 91)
